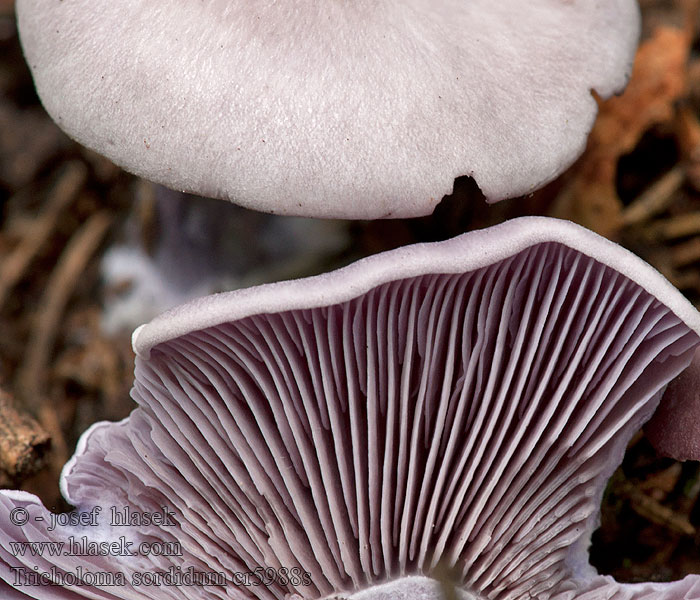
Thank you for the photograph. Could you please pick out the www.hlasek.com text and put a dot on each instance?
(83, 546)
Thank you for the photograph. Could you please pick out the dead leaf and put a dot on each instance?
(659, 79)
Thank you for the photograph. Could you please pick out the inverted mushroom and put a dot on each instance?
(445, 411)
(331, 109)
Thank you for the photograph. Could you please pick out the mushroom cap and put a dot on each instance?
(449, 420)
(674, 430)
(331, 109)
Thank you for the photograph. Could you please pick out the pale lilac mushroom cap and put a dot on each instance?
(331, 109)
(674, 430)
(450, 408)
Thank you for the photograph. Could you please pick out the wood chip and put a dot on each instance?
(23, 443)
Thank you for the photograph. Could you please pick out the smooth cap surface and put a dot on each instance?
(331, 109)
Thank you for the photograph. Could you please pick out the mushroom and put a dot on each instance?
(441, 416)
(674, 430)
(331, 109)
(187, 246)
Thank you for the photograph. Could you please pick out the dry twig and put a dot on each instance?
(656, 512)
(654, 200)
(684, 225)
(32, 373)
(13, 267)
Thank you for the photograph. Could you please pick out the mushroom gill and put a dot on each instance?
(440, 429)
